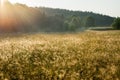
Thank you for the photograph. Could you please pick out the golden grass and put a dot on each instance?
(91, 55)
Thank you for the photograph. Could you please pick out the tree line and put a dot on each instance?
(22, 18)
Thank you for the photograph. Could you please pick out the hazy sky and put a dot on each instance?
(108, 7)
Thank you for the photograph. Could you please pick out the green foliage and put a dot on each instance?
(90, 21)
(72, 26)
(76, 21)
(60, 56)
(116, 23)
(73, 23)
(29, 19)
(100, 19)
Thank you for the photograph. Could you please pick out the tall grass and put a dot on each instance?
(90, 55)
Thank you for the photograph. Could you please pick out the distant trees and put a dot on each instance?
(29, 19)
(73, 23)
(116, 23)
(90, 21)
(100, 19)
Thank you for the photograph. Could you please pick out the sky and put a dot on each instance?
(106, 7)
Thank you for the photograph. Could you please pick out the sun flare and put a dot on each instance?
(1, 2)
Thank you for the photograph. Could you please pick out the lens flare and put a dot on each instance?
(1, 2)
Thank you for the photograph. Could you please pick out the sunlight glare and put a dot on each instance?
(1, 2)
(1, 6)
(17, 1)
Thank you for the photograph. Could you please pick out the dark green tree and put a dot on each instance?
(90, 21)
(72, 24)
(76, 21)
(116, 23)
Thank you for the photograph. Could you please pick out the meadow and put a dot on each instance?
(89, 55)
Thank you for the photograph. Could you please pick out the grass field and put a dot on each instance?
(90, 55)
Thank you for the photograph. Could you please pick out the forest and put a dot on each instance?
(21, 18)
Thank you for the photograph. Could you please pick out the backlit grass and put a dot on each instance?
(90, 55)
